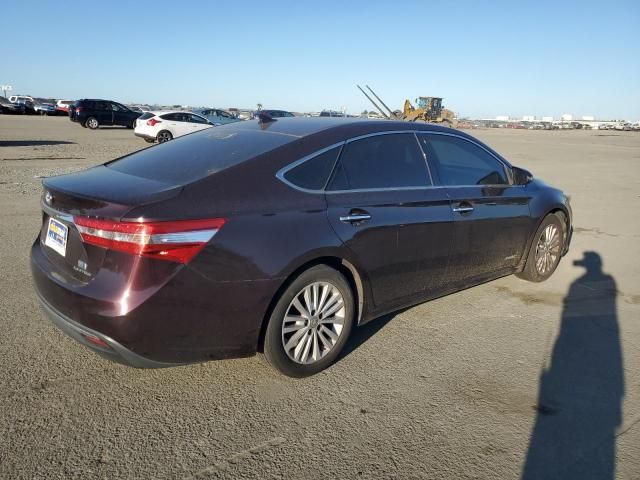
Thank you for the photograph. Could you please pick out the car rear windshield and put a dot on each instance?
(190, 158)
(146, 115)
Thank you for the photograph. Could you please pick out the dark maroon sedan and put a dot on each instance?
(282, 236)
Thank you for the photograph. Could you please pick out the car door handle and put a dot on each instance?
(355, 217)
(463, 208)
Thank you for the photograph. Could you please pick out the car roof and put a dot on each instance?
(304, 126)
(165, 112)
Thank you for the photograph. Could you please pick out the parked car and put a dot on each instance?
(21, 98)
(62, 106)
(7, 106)
(93, 113)
(274, 113)
(26, 101)
(331, 113)
(164, 126)
(45, 108)
(283, 236)
(217, 116)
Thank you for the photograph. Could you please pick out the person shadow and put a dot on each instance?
(579, 403)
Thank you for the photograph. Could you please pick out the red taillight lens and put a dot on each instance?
(177, 241)
(152, 121)
(78, 109)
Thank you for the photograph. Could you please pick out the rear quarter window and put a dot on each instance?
(313, 174)
(190, 158)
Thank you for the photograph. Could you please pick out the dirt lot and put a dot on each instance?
(504, 380)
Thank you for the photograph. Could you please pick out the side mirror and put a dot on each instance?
(521, 176)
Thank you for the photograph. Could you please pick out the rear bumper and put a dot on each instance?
(144, 135)
(170, 317)
(112, 351)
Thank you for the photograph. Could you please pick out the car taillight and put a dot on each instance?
(152, 121)
(177, 241)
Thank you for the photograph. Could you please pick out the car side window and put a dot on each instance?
(197, 119)
(313, 174)
(172, 117)
(461, 162)
(381, 161)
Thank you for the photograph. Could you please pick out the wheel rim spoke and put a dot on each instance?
(295, 339)
(548, 249)
(303, 311)
(313, 323)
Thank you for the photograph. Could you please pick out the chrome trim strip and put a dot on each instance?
(280, 174)
(194, 236)
(52, 212)
(424, 155)
(384, 189)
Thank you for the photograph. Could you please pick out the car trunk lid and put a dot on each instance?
(99, 192)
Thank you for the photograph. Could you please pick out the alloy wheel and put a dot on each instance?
(92, 123)
(313, 322)
(548, 249)
(164, 137)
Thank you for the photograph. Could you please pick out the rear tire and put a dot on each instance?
(92, 123)
(164, 136)
(546, 250)
(310, 323)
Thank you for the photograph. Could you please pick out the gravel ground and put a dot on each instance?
(505, 380)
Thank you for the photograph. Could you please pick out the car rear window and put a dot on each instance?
(190, 158)
(145, 116)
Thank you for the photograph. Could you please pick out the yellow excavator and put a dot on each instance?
(428, 109)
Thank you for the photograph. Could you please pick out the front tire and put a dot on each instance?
(92, 123)
(311, 323)
(546, 250)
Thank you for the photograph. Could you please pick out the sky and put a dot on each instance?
(485, 58)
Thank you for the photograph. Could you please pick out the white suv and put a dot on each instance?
(164, 126)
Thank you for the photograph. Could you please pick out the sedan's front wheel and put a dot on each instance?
(311, 323)
(546, 250)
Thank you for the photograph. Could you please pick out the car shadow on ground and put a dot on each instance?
(579, 403)
(33, 143)
(361, 334)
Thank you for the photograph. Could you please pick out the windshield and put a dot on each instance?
(198, 155)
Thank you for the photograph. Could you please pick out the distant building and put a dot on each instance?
(528, 118)
(502, 118)
(567, 117)
(588, 118)
(547, 119)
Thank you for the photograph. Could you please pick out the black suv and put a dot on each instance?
(93, 113)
